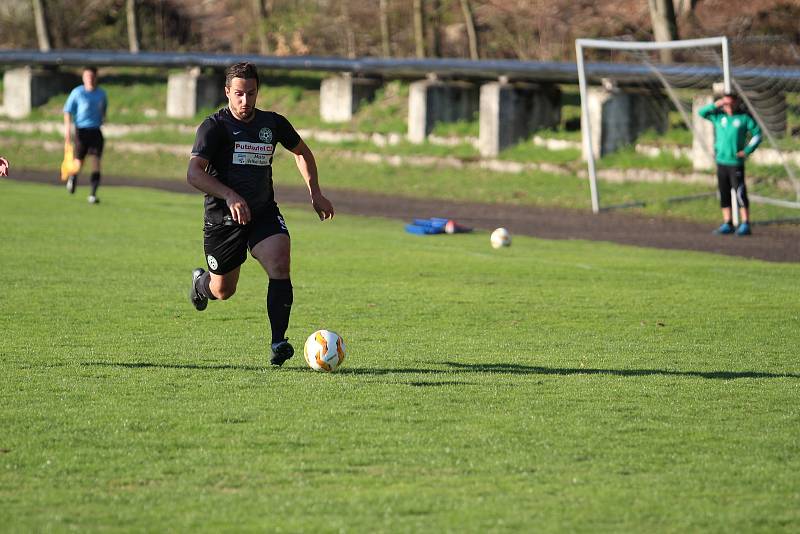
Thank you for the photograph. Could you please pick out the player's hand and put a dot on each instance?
(4, 166)
(322, 206)
(240, 211)
(740, 154)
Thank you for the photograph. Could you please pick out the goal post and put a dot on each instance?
(582, 44)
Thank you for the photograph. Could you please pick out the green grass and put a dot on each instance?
(551, 386)
(467, 184)
(628, 158)
(462, 128)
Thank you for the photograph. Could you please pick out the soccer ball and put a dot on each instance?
(324, 351)
(500, 238)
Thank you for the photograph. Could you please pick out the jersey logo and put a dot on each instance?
(245, 153)
(212, 262)
(736, 123)
(265, 134)
(237, 132)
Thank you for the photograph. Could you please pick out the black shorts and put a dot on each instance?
(226, 243)
(89, 141)
(731, 177)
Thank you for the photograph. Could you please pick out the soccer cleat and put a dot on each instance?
(200, 301)
(281, 351)
(93, 199)
(724, 229)
(71, 183)
(744, 229)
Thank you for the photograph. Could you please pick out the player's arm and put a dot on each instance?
(755, 136)
(307, 166)
(200, 179)
(67, 127)
(708, 110)
(69, 109)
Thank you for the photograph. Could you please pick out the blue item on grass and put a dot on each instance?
(424, 229)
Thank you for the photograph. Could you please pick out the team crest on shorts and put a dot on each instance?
(212, 262)
(265, 134)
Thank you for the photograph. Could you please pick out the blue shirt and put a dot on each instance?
(86, 107)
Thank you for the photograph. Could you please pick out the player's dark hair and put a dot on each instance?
(731, 94)
(91, 68)
(246, 71)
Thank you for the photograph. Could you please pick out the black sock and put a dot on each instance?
(279, 306)
(95, 179)
(203, 285)
(729, 222)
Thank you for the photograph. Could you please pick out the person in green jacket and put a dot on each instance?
(736, 136)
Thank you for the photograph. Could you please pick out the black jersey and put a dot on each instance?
(240, 156)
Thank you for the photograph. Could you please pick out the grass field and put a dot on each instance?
(551, 386)
(467, 184)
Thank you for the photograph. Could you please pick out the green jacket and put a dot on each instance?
(730, 134)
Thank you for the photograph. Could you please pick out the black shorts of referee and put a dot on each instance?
(89, 141)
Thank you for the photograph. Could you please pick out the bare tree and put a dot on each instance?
(261, 15)
(434, 27)
(42, 35)
(665, 26)
(419, 27)
(349, 34)
(133, 34)
(683, 7)
(469, 22)
(386, 47)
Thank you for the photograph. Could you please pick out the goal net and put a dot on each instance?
(639, 124)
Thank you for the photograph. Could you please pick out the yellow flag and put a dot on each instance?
(68, 166)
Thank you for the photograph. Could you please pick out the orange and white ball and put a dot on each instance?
(500, 238)
(324, 351)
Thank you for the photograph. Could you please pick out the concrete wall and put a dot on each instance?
(341, 96)
(618, 117)
(703, 138)
(191, 90)
(432, 101)
(26, 88)
(512, 112)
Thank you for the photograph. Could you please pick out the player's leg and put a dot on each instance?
(226, 249)
(81, 149)
(96, 150)
(724, 185)
(212, 286)
(274, 254)
(737, 179)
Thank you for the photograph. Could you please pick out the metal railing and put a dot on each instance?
(542, 71)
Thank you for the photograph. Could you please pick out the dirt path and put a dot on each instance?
(771, 243)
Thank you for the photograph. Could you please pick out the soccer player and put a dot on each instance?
(731, 147)
(4, 166)
(86, 105)
(232, 164)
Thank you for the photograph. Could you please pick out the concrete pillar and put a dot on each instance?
(189, 91)
(341, 96)
(618, 117)
(703, 138)
(26, 88)
(510, 113)
(432, 101)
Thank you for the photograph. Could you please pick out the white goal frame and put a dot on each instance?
(586, 131)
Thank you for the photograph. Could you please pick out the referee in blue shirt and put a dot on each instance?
(86, 106)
